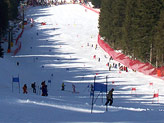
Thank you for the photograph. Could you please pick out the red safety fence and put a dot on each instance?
(18, 43)
(17, 49)
(91, 9)
(145, 68)
(19, 36)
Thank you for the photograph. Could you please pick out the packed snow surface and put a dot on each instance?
(63, 51)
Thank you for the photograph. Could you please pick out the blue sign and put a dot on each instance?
(16, 79)
(100, 87)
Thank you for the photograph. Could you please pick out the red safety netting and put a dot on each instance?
(145, 68)
(19, 36)
(17, 49)
(18, 43)
(91, 9)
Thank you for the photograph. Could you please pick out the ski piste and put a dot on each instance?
(51, 52)
(76, 92)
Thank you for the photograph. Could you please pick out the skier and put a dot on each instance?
(63, 86)
(94, 56)
(126, 69)
(95, 46)
(33, 87)
(25, 89)
(111, 58)
(109, 97)
(121, 68)
(44, 89)
(119, 64)
(110, 67)
(116, 66)
(73, 87)
(17, 63)
(113, 65)
(92, 90)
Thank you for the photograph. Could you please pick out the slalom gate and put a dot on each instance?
(101, 88)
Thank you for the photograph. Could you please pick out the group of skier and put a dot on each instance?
(33, 86)
(73, 87)
(58, 2)
(109, 96)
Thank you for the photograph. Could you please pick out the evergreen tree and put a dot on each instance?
(146, 18)
(105, 20)
(96, 3)
(3, 22)
(3, 16)
(118, 18)
(159, 41)
(128, 28)
(12, 9)
(111, 20)
(130, 25)
(1, 52)
(8, 11)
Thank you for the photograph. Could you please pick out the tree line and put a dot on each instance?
(136, 27)
(8, 11)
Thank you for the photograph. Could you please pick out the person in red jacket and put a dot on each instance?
(25, 89)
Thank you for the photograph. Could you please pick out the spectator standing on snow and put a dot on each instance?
(73, 87)
(110, 67)
(33, 87)
(119, 64)
(63, 86)
(95, 46)
(111, 58)
(25, 89)
(92, 90)
(109, 97)
(17, 63)
(44, 89)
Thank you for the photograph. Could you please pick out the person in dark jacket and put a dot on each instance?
(63, 87)
(109, 97)
(44, 89)
(33, 87)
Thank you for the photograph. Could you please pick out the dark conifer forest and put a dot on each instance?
(8, 11)
(136, 27)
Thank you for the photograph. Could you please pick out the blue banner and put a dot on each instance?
(16, 79)
(100, 87)
(49, 81)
